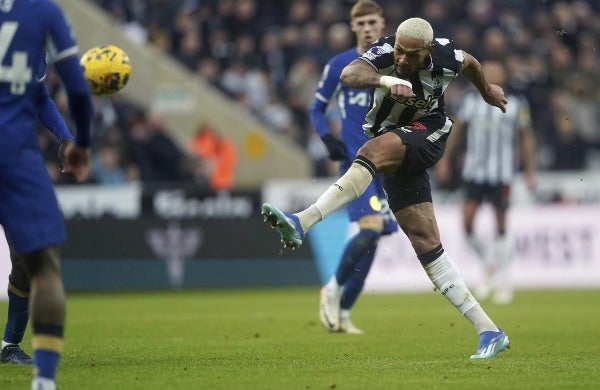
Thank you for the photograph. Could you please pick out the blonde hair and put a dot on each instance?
(364, 8)
(416, 28)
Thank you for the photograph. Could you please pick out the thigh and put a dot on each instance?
(29, 210)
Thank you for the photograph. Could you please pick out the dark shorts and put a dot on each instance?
(425, 142)
(498, 195)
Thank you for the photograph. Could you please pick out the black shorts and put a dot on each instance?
(498, 195)
(425, 141)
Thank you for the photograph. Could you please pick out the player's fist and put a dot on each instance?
(335, 148)
(74, 160)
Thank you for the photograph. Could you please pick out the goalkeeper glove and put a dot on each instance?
(335, 148)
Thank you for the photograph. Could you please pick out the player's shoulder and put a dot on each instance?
(445, 54)
(383, 47)
(344, 58)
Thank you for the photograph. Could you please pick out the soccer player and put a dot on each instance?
(29, 210)
(409, 73)
(18, 282)
(493, 140)
(370, 210)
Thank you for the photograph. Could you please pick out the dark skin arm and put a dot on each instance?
(358, 74)
(492, 94)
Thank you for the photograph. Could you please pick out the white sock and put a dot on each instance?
(446, 276)
(344, 314)
(502, 257)
(40, 383)
(475, 243)
(347, 188)
(333, 283)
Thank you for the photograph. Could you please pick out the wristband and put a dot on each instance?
(388, 81)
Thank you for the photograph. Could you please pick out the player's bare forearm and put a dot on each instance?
(491, 93)
(472, 71)
(358, 74)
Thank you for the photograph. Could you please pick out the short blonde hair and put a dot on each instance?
(416, 28)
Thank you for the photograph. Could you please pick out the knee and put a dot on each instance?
(371, 222)
(44, 262)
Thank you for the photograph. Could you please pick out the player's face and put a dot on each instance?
(367, 28)
(409, 55)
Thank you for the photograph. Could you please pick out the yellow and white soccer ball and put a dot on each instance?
(107, 69)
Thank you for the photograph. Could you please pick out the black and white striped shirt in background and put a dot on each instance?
(492, 138)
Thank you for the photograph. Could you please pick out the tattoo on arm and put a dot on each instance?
(359, 74)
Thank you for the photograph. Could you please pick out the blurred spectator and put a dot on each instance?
(106, 167)
(266, 54)
(570, 148)
(218, 155)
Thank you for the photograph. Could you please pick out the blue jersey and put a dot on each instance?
(353, 103)
(30, 30)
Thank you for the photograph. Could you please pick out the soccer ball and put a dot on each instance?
(107, 69)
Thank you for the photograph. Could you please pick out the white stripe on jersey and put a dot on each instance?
(492, 136)
(52, 53)
(440, 132)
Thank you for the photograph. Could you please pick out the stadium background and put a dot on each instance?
(214, 123)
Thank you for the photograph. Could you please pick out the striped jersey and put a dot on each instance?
(428, 85)
(492, 138)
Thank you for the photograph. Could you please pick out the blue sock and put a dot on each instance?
(355, 264)
(48, 344)
(18, 316)
(354, 285)
(46, 362)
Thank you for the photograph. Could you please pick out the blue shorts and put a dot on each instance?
(373, 201)
(29, 210)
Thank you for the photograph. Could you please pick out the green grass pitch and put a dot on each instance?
(272, 339)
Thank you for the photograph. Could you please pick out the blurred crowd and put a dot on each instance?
(268, 56)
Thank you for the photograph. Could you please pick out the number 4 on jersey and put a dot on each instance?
(18, 74)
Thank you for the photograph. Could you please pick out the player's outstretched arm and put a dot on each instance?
(492, 94)
(80, 100)
(359, 74)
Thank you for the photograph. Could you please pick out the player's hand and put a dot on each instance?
(335, 148)
(495, 97)
(398, 87)
(74, 160)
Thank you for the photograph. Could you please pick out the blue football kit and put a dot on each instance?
(354, 105)
(30, 30)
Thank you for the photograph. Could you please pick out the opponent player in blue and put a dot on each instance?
(18, 282)
(370, 210)
(409, 73)
(29, 210)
